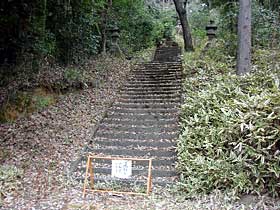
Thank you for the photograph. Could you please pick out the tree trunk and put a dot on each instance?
(244, 37)
(103, 31)
(209, 4)
(39, 19)
(44, 19)
(182, 13)
(231, 16)
(104, 23)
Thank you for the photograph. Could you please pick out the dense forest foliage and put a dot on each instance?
(69, 31)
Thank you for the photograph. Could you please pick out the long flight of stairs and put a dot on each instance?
(143, 122)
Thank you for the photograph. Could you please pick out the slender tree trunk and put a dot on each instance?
(233, 24)
(209, 4)
(44, 19)
(244, 37)
(103, 32)
(39, 19)
(104, 22)
(182, 13)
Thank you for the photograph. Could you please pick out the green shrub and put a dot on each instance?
(231, 137)
(41, 102)
(72, 74)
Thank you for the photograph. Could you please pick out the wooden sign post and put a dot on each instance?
(121, 168)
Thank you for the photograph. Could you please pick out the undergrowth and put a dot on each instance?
(21, 103)
(231, 124)
(9, 181)
(27, 93)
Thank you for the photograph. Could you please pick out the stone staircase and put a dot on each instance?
(143, 122)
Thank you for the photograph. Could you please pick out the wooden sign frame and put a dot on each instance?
(90, 173)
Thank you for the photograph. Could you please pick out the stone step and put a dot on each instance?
(158, 70)
(152, 63)
(151, 89)
(145, 148)
(136, 112)
(136, 165)
(145, 85)
(138, 168)
(146, 80)
(108, 142)
(124, 97)
(137, 136)
(148, 103)
(164, 163)
(155, 77)
(141, 113)
(165, 63)
(140, 107)
(154, 72)
(162, 154)
(159, 163)
(168, 56)
(149, 100)
(168, 49)
(159, 67)
(152, 81)
(135, 91)
(141, 81)
(154, 92)
(157, 63)
(163, 58)
(171, 55)
(142, 117)
(163, 182)
(145, 122)
(132, 124)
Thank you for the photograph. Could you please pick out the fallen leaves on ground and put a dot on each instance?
(43, 144)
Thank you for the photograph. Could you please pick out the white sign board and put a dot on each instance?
(122, 168)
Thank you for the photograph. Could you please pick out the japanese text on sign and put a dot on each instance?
(121, 168)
